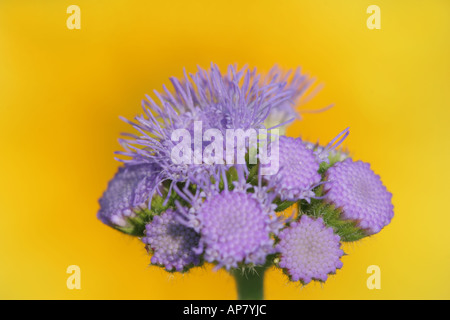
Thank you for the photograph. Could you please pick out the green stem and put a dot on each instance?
(250, 284)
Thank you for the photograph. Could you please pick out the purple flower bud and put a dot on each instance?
(128, 192)
(354, 188)
(298, 173)
(171, 242)
(235, 227)
(309, 250)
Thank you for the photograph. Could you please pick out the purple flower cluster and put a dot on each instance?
(239, 99)
(229, 214)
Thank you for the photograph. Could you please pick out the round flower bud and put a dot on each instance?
(309, 250)
(359, 193)
(127, 193)
(171, 242)
(235, 227)
(298, 169)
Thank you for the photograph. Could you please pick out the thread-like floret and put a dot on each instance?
(238, 99)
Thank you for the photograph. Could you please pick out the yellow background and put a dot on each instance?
(61, 92)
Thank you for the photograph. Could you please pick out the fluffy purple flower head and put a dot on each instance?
(354, 188)
(298, 173)
(309, 250)
(172, 243)
(235, 225)
(298, 84)
(241, 99)
(238, 99)
(129, 191)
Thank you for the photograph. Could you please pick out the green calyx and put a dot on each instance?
(136, 224)
(333, 158)
(346, 229)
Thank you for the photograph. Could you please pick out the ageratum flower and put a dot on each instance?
(309, 250)
(171, 242)
(235, 225)
(211, 208)
(239, 99)
(128, 192)
(354, 188)
(298, 170)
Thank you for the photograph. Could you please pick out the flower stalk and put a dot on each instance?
(250, 285)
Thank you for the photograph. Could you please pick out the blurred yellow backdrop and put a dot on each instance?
(61, 92)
